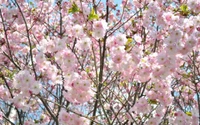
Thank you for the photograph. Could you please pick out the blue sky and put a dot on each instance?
(116, 2)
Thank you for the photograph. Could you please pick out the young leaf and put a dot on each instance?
(188, 113)
(184, 10)
(152, 101)
(73, 9)
(128, 44)
(93, 15)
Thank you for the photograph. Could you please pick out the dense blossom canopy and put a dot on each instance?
(93, 62)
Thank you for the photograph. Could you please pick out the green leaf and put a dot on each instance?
(10, 74)
(104, 83)
(74, 9)
(147, 52)
(87, 70)
(152, 101)
(93, 15)
(31, 3)
(129, 40)
(133, 22)
(123, 83)
(184, 10)
(33, 46)
(51, 59)
(186, 75)
(128, 44)
(184, 7)
(183, 88)
(188, 113)
(190, 92)
(36, 121)
(33, 10)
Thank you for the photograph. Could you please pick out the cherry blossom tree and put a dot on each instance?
(93, 62)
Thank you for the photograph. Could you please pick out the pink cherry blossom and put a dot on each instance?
(99, 28)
